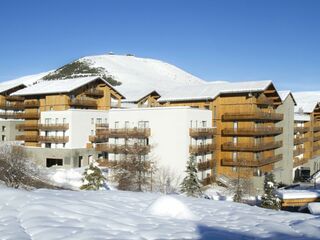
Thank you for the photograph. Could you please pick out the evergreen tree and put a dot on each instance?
(93, 178)
(269, 199)
(190, 184)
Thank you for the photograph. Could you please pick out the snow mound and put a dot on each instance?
(167, 206)
(69, 178)
(314, 208)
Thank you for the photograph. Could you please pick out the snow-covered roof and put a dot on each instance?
(301, 117)
(284, 94)
(298, 194)
(59, 86)
(212, 90)
(5, 87)
(306, 101)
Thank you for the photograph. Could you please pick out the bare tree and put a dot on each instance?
(15, 169)
(134, 170)
(165, 180)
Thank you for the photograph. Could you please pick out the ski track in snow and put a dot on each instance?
(48, 214)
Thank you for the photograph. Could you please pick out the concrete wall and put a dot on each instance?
(283, 169)
(169, 126)
(70, 157)
(8, 131)
(81, 125)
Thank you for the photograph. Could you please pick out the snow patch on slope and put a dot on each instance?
(139, 76)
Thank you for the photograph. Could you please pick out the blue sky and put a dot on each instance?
(215, 40)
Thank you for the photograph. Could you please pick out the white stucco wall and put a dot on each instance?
(169, 126)
(81, 125)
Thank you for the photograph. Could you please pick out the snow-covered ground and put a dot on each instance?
(52, 214)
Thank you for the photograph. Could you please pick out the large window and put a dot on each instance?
(54, 162)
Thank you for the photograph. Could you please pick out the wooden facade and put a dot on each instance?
(93, 95)
(244, 135)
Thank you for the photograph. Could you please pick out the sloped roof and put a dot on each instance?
(284, 94)
(59, 86)
(209, 91)
(301, 117)
(306, 101)
(6, 87)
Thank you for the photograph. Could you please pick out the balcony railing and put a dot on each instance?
(27, 138)
(259, 147)
(10, 115)
(202, 149)
(316, 148)
(251, 116)
(102, 125)
(124, 132)
(53, 139)
(94, 93)
(31, 103)
(206, 165)
(302, 140)
(248, 162)
(301, 129)
(259, 131)
(202, 132)
(98, 139)
(316, 138)
(298, 151)
(299, 161)
(29, 115)
(124, 149)
(28, 126)
(15, 98)
(316, 128)
(54, 127)
(83, 102)
(12, 106)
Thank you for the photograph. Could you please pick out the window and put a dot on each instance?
(92, 120)
(63, 145)
(204, 124)
(92, 132)
(47, 145)
(126, 124)
(99, 120)
(3, 137)
(57, 120)
(235, 125)
(116, 124)
(191, 124)
(3, 128)
(47, 120)
(64, 120)
(54, 162)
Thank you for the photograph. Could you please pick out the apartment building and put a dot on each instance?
(244, 115)
(60, 95)
(11, 109)
(166, 135)
(307, 132)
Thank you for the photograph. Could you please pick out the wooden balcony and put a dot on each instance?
(27, 138)
(244, 162)
(202, 149)
(302, 140)
(28, 126)
(260, 131)
(15, 98)
(29, 115)
(253, 116)
(299, 161)
(301, 130)
(316, 147)
(10, 115)
(83, 103)
(298, 151)
(206, 165)
(316, 138)
(53, 139)
(98, 139)
(54, 127)
(16, 106)
(94, 93)
(316, 128)
(264, 101)
(124, 133)
(31, 103)
(202, 132)
(259, 147)
(124, 149)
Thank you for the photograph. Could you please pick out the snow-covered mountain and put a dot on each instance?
(138, 76)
